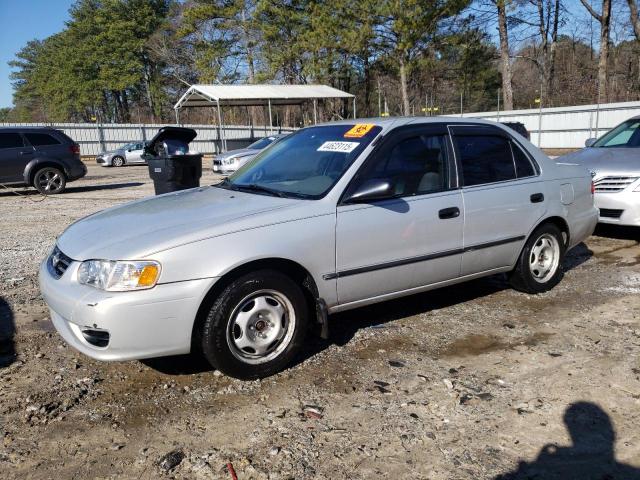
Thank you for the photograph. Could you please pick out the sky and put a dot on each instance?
(24, 20)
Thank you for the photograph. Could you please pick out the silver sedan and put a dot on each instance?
(614, 162)
(331, 218)
(228, 162)
(127, 154)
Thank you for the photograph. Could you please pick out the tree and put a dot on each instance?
(406, 27)
(604, 18)
(635, 20)
(507, 88)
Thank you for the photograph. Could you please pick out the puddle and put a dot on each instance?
(473, 345)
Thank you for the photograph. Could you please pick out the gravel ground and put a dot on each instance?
(475, 381)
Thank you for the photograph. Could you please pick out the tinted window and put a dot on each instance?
(416, 165)
(524, 168)
(11, 140)
(485, 159)
(40, 139)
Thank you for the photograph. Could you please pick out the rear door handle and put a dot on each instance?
(451, 212)
(537, 198)
(27, 152)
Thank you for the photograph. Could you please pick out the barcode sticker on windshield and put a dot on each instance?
(343, 147)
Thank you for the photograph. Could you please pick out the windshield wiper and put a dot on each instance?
(253, 187)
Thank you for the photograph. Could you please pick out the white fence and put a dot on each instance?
(97, 138)
(566, 127)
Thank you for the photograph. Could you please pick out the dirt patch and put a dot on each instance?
(467, 382)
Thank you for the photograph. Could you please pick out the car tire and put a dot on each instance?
(539, 266)
(117, 161)
(50, 181)
(256, 325)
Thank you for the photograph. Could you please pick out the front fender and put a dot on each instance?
(310, 242)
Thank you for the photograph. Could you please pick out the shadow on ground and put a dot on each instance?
(617, 231)
(590, 457)
(7, 334)
(72, 189)
(343, 326)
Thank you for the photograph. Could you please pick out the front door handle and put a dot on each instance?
(28, 152)
(451, 212)
(537, 198)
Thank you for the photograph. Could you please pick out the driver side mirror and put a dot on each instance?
(375, 189)
(589, 142)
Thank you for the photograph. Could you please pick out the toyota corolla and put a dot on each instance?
(331, 218)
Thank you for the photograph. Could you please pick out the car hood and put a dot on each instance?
(138, 229)
(242, 152)
(606, 160)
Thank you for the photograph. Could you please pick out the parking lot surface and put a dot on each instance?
(474, 381)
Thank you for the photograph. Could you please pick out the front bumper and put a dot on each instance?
(221, 169)
(620, 208)
(138, 324)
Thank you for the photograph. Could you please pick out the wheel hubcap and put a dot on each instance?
(49, 181)
(545, 257)
(261, 327)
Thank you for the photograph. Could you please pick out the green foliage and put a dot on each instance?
(93, 66)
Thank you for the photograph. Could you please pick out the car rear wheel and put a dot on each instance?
(49, 181)
(117, 161)
(539, 267)
(256, 326)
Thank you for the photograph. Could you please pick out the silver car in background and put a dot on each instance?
(614, 162)
(330, 218)
(127, 154)
(228, 162)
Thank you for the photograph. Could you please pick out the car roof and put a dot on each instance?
(388, 122)
(27, 129)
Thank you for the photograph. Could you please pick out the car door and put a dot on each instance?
(134, 153)
(503, 194)
(14, 156)
(408, 241)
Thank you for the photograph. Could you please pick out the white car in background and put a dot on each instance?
(228, 162)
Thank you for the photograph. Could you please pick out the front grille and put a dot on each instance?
(613, 184)
(610, 212)
(58, 263)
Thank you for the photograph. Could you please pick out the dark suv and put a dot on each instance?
(42, 157)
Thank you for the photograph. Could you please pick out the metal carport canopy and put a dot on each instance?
(256, 95)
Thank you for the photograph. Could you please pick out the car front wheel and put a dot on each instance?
(117, 161)
(49, 181)
(256, 326)
(539, 267)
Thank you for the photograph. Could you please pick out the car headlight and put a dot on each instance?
(119, 276)
(230, 161)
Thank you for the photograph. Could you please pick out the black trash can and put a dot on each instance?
(171, 166)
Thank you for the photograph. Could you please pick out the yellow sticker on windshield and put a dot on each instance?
(359, 130)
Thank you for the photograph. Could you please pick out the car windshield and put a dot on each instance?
(262, 143)
(625, 135)
(305, 164)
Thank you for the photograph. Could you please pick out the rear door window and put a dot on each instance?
(41, 139)
(484, 159)
(11, 140)
(524, 167)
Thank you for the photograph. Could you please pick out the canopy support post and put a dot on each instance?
(315, 111)
(354, 107)
(177, 115)
(220, 140)
(270, 120)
